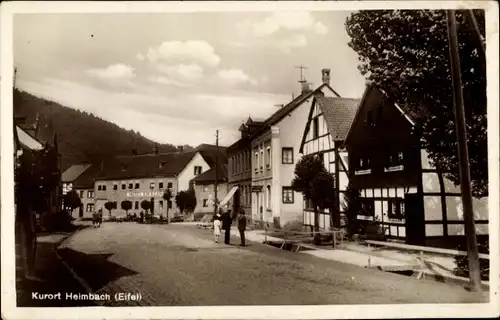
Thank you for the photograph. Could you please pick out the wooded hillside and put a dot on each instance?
(81, 136)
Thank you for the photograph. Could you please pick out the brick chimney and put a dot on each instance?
(325, 76)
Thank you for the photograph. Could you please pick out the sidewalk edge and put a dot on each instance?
(80, 280)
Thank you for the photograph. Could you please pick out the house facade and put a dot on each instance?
(204, 188)
(275, 152)
(239, 169)
(68, 178)
(146, 177)
(326, 128)
(410, 198)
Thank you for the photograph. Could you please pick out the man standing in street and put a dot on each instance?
(242, 225)
(226, 225)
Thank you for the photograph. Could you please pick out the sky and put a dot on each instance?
(178, 77)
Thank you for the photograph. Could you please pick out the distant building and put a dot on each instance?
(412, 200)
(275, 152)
(80, 178)
(204, 187)
(73, 172)
(146, 177)
(240, 165)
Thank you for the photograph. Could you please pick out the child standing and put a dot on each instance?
(217, 225)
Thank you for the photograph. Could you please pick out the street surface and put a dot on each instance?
(179, 264)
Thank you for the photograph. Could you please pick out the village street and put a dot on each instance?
(178, 264)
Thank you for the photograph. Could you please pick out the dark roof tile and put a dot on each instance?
(208, 177)
(74, 172)
(339, 114)
(146, 165)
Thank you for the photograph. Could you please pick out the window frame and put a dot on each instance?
(399, 206)
(367, 203)
(315, 133)
(283, 152)
(290, 200)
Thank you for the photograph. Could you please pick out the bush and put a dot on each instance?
(462, 262)
(112, 219)
(294, 225)
(60, 221)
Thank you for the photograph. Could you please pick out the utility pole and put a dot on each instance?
(465, 183)
(216, 201)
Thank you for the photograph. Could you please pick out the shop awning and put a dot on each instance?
(228, 196)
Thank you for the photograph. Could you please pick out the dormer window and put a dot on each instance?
(162, 164)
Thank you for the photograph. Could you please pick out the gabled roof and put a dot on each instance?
(208, 177)
(27, 141)
(283, 112)
(87, 178)
(368, 90)
(238, 145)
(339, 114)
(74, 172)
(210, 153)
(146, 165)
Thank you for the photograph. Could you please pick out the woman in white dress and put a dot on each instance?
(217, 225)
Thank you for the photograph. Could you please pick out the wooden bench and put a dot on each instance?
(421, 258)
(299, 237)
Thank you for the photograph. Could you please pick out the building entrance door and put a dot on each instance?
(415, 221)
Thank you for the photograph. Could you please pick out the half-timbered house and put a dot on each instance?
(328, 123)
(411, 199)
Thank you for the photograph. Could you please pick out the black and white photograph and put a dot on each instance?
(260, 160)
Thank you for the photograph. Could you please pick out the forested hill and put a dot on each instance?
(81, 136)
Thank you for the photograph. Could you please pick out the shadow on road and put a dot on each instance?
(95, 269)
(52, 277)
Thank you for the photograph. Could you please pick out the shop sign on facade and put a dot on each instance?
(145, 194)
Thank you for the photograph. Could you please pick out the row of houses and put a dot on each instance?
(368, 142)
(146, 177)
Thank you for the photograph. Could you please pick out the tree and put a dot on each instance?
(186, 200)
(71, 201)
(110, 206)
(190, 200)
(317, 185)
(126, 205)
(145, 205)
(406, 54)
(167, 196)
(352, 208)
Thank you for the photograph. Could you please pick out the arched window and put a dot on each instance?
(268, 197)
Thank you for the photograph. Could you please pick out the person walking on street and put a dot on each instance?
(226, 225)
(217, 226)
(100, 218)
(242, 225)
